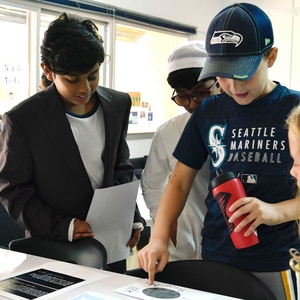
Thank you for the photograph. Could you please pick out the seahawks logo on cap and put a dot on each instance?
(226, 37)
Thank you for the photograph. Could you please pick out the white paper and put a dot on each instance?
(111, 217)
(87, 275)
(9, 260)
(142, 290)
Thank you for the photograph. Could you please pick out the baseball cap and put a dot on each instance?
(236, 39)
(191, 54)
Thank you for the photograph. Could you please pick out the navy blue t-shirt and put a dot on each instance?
(250, 140)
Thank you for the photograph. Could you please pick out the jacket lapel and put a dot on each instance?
(111, 138)
(59, 130)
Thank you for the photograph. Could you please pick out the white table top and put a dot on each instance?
(13, 263)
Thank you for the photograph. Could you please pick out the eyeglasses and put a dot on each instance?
(184, 99)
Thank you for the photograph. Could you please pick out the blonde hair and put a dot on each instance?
(293, 122)
(293, 125)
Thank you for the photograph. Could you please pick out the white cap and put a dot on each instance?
(190, 54)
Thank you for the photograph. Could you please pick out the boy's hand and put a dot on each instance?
(153, 258)
(135, 237)
(259, 212)
(82, 230)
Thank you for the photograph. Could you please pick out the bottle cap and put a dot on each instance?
(223, 177)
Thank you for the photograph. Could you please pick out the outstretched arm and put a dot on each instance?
(153, 257)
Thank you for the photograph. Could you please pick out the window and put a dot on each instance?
(141, 70)
(14, 63)
(136, 62)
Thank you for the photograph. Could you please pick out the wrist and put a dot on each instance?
(138, 225)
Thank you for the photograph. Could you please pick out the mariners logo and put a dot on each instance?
(226, 37)
(218, 152)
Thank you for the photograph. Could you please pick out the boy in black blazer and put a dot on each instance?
(62, 143)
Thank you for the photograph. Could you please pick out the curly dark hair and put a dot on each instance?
(71, 45)
(185, 78)
(45, 80)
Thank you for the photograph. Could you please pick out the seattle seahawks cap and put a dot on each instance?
(236, 39)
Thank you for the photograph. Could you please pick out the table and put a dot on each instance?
(14, 263)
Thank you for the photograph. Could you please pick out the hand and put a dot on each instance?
(135, 237)
(153, 258)
(82, 230)
(259, 212)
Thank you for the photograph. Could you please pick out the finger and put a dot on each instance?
(83, 231)
(78, 236)
(151, 270)
(142, 259)
(156, 265)
(251, 229)
(147, 261)
(242, 210)
(248, 219)
(139, 261)
(236, 215)
(251, 222)
(239, 203)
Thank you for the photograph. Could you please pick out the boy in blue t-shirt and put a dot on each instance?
(242, 130)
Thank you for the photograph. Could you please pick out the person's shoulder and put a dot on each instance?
(105, 91)
(28, 105)
(169, 132)
(216, 97)
(117, 99)
(283, 92)
(212, 99)
(293, 92)
(211, 104)
(46, 100)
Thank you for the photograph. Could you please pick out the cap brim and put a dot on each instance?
(233, 67)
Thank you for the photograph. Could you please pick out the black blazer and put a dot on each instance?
(43, 182)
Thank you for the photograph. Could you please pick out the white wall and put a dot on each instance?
(284, 14)
(196, 13)
(139, 144)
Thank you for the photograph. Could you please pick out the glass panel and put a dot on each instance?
(14, 79)
(141, 70)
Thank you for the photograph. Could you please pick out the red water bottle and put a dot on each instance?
(227, 188)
